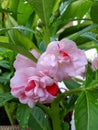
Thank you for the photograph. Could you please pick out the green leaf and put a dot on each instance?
(18, 49)
(94, 12)
(86, 111)
(39, 120)
(23, 114)
(5, 97)
(43, 8)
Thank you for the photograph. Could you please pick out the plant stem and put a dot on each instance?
(67, 93)
(10, 117)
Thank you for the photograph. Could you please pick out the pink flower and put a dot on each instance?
(29, 85)
(62, 60)
(95, 63)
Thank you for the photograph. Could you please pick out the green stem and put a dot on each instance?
(10, 117)
(67, 93)
(6, 107)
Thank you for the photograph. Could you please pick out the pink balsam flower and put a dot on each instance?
(29, 85)
(62, 60)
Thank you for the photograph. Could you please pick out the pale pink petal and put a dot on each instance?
(23, 62)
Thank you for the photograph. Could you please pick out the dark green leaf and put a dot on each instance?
(39, 120)
(23, 114)
(5, 97)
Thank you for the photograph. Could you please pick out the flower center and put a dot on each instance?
(31, 85)
(64, 54)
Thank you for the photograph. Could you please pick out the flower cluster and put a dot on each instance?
(38, 82)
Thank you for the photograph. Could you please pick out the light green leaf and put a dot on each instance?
(43, 8)
(5, 97)
(23, 114)
(86, 112)
(18, 49)
(39, 120)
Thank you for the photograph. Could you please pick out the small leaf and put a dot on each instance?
(39, 120)
(5, 97)
(23, 114)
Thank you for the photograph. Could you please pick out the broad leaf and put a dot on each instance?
(5, 97)
(39, 120)
(23, 114)
(43, 8)
(86, 112)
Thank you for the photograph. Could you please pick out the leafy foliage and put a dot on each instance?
(32, 24)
